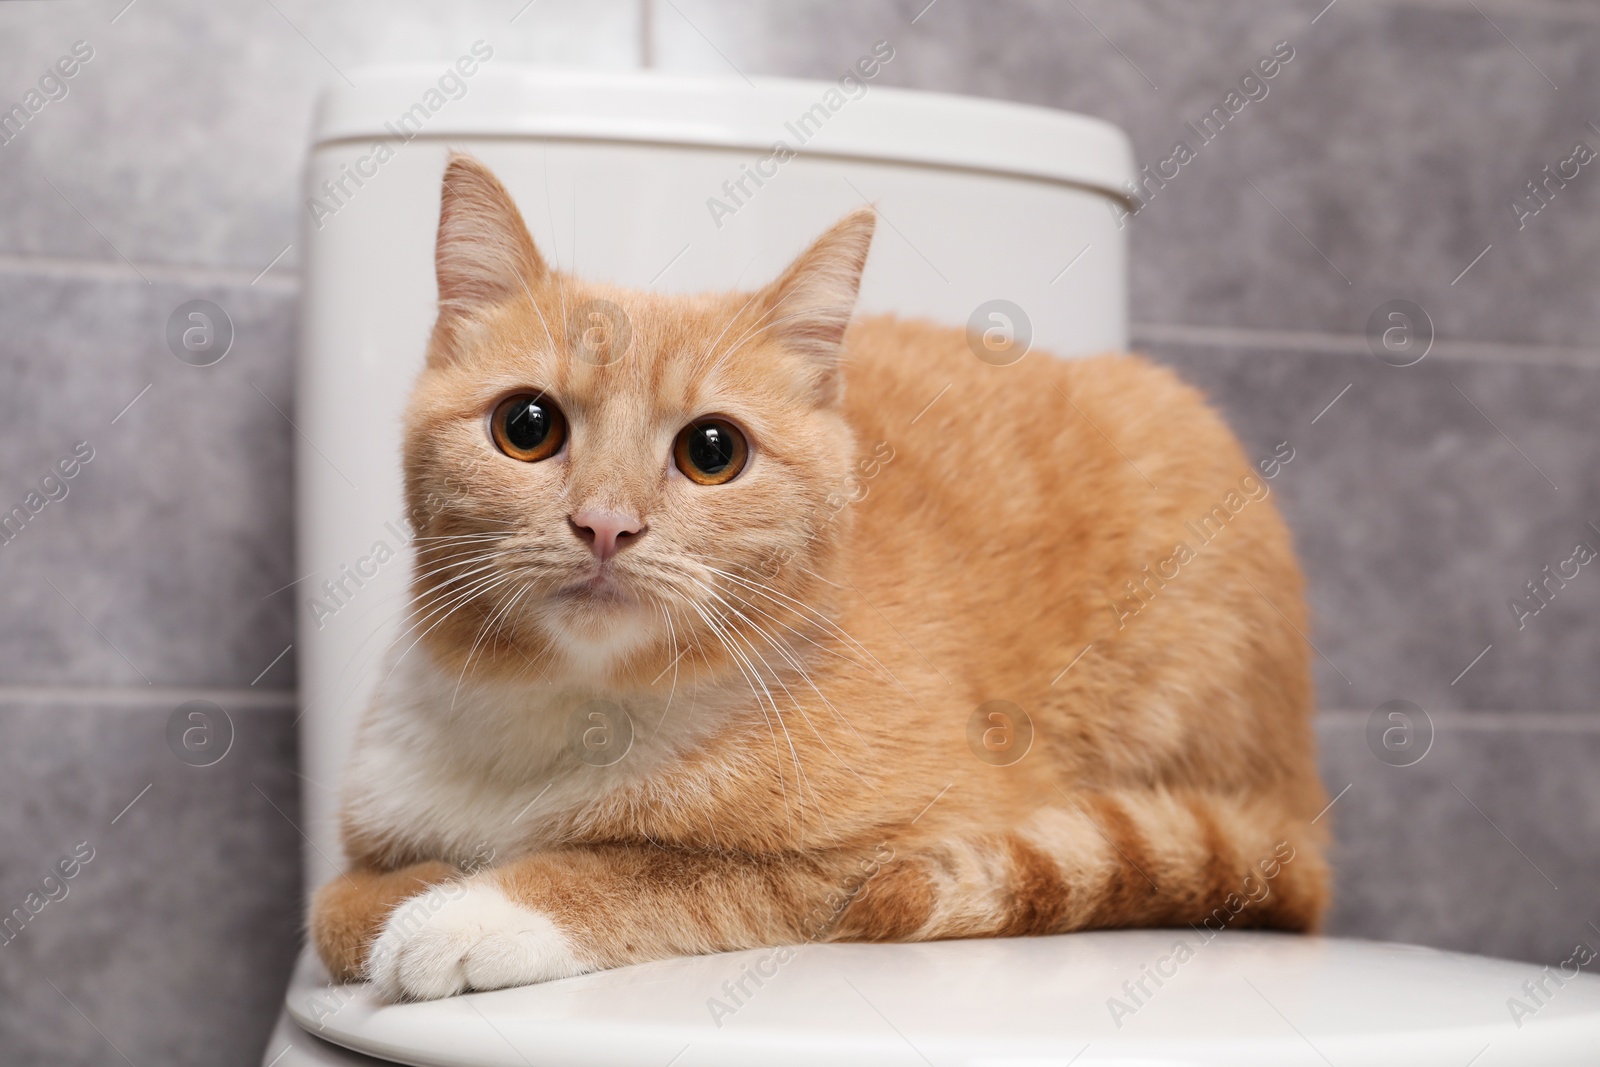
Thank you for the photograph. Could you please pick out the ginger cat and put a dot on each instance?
(737, 623)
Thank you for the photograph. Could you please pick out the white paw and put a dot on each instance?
(462, 936)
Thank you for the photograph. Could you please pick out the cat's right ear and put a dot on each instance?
(484, 254)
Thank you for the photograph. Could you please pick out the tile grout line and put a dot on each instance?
(1488, 721)
(287, 281)
(1502, 352)
(282, 280)
(1527, 9)
(131, 696)
(288, 699)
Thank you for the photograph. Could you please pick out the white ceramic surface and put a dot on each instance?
(613, 174)
(863, 119)
(979, 200)
(1240, 1000)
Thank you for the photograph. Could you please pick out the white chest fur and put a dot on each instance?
(470, 771)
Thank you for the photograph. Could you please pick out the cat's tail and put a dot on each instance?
(1098, 860)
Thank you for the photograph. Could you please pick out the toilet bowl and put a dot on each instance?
(998, 217)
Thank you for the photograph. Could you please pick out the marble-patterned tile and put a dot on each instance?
(1422, 500)
(175, 935)
(182, 137)
(157, 562)
(1490, 844)
(1379, 163)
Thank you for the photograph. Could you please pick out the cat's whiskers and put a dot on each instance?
(750, 680)
(801, 608)
(452, 541)
(801, 781)
(774, 307)
(431, 556)
(787, 653)
(712, 347)
(672, 637)
(425, 547)
(751, 334)
(470, 572)
(819, 577)
(546, 650)
(759, 319)
(506, 529)
(477, 519)
(776, 676)
(506, 616)
(698, 588)
(537, 310)
(443, 578)
(448, 596)
(444, 613)
(412, 606)
(792, 656)
(430, 565)
(801, 617)
(515, 550)
(533, 574)
(492, 583)
(448, 538)
(451, 602)
(376, 621)
(492, 623)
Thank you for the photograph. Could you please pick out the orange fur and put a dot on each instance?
(918, 533)
(347, 911)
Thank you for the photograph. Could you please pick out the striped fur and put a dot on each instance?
(802, 651)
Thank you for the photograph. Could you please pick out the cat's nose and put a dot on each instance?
(605, 532)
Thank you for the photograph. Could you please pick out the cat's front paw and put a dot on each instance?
(466, 935)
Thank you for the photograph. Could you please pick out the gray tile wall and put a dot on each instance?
(169, 173)
(1381, 165)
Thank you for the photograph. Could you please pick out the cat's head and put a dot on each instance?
(603, 481)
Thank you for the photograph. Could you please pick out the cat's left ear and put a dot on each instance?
(810, 304)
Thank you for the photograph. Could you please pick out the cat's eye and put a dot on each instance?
(710, 451)
(528, 427)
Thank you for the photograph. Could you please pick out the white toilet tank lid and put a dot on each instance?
(879, 123)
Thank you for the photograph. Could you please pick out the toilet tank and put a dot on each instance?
(1000, 217)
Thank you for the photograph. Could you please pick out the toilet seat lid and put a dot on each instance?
(1156, 998)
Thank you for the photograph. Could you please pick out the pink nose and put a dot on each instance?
(605, 532)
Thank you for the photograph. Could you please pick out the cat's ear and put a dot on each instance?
(484, 254)
(810, 304)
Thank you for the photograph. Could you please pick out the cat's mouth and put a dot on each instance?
(598, 590)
